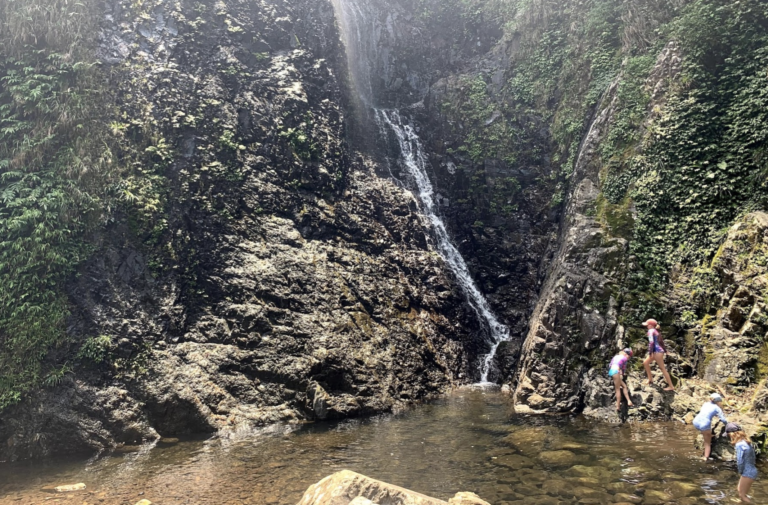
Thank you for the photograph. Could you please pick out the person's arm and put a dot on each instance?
(721, 415)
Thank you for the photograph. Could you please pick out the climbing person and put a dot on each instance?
(703, 421)
(656, 352)
(617, 370)
(745, 460)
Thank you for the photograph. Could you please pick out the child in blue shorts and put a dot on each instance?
(617, 369)
(745, 459)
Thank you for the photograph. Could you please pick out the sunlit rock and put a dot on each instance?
(347, 488)
(465, 498)
(70, 488)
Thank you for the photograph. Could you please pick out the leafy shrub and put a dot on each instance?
(96, 349)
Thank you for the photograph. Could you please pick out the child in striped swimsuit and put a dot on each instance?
(656, 352)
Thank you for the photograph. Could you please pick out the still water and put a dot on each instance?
(468, 441)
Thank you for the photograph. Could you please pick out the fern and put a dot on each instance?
(53, 179)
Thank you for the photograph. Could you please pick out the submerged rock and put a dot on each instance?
(70, 488)
(656, 497)
(513, 461)
(591, 472)
(627, 498)
(558, 487)
(683, 489)
(558, 458)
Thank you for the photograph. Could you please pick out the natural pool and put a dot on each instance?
(469, 440)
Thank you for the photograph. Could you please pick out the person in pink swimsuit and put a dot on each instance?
(656, 352)
(617, 370)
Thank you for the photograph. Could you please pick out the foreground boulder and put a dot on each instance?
(348, 488)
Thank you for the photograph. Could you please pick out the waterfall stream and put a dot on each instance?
(415, 161)
(362, 37)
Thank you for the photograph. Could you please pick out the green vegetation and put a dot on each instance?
(566, 58)
(96, 349)
(301, 141)
(56, 171)
(704, 162)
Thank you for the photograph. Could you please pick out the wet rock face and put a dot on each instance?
(498, 211)
(284, 281)
(574, 327)
(728, 346)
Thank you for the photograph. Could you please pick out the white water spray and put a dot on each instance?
(415, 161)
(356, 20)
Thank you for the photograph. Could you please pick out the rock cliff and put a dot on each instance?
(260, 271)
(647, 232)
(228, 242)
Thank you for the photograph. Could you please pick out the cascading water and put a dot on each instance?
(357, 21)
(415, 161)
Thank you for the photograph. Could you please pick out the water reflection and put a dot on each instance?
(468, 441)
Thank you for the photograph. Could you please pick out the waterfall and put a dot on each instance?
(415, 161)
(357, 21)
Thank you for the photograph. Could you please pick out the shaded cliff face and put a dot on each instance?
(258, 271)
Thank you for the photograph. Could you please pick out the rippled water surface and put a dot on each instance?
(467, 441)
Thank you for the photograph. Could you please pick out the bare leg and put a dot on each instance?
(617, 385)
(659, 357)
(647, 365)
(707, 443)
(745, 483)
(626, 393)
